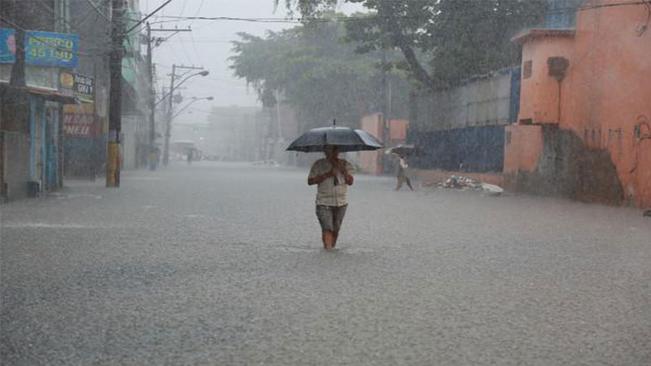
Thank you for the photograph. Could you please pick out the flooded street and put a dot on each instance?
(221, 264)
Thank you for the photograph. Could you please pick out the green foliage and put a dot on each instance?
(308, 7)
(442, 41)
(474, 37)
(310, 66)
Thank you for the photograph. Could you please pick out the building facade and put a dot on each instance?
(37, 52)
(584, 128)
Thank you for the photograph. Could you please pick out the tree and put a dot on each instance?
(442, 41)
(313, 70)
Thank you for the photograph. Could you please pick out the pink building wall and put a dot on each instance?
(605, 104)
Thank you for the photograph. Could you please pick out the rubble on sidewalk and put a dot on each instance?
(464, 183)
(492, 189)
(461, 182)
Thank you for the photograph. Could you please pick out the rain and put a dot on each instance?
(325, 182)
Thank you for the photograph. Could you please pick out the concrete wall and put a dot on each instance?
(539, 93)
(524, 145)
(481, 101)
(470, 149)
(398, 130)
(553, 161)
(370, 162)
(611, 99)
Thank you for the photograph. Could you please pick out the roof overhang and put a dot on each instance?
(53, 95)
(536, 33)
(50, 94)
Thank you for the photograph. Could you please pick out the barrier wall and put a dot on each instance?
(471, 149)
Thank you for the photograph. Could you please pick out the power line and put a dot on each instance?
(291, 20)
(148, 16)
(94, 6)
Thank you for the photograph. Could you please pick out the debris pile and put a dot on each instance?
(463, 183)
(460, 182)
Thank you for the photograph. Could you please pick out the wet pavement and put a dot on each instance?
(221, 264)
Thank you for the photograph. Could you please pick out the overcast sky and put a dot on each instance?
(208, 45)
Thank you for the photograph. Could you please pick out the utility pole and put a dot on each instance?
(386, 45)
(12, 96)
(170, 109)
(118, 34)
(152, 102)
(115, 96)
(152, 99)
(168, 122)
(385, 111)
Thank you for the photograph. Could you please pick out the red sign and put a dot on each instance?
(79, 120)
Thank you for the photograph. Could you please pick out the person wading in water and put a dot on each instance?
(402, 173)
(332, 177)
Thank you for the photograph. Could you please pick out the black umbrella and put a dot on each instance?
(403, 150)
(344, 138)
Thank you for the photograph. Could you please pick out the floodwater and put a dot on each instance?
(221, 264)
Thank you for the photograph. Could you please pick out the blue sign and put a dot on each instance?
(7, 46)
(51, 49)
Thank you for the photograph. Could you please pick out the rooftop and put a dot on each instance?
(543, 32)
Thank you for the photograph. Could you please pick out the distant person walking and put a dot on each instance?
(190, 152)
(402, 173)
(332, 177)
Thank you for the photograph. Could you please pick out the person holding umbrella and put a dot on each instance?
(332, 175)
(402, 152)
(402, 173)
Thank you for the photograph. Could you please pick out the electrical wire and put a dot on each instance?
(98, 11)
(292, 20)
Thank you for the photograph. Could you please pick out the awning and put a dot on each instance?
(53, 95)
(50, 94)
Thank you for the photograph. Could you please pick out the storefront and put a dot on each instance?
(32, 113)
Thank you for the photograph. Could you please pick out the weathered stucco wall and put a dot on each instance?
(598, 148)
(540, 93)
(611, 91)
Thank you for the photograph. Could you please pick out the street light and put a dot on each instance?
(170, 112)
(202, 73)
(194, 100)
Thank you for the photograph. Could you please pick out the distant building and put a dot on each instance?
(251, 133)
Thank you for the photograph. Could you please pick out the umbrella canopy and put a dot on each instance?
(403, 150)
(345, 138)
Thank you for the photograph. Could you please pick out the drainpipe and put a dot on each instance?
(558, 70)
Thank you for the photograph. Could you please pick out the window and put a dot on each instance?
(527, 70)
